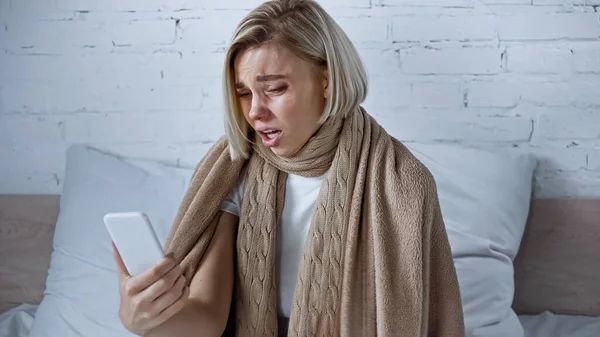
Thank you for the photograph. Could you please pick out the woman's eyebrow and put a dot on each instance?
(262, 78)
(266, 78)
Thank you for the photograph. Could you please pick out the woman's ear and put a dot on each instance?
(325, 79)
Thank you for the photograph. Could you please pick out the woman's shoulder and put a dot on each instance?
(413, 174)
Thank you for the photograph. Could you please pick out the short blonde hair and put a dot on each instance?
(304, 28)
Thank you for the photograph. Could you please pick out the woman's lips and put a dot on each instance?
(270, 138)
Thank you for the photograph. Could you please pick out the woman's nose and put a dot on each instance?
(258, 110)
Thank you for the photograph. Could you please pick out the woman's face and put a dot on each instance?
(282, 96)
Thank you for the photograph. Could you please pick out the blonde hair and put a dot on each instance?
(304, 28)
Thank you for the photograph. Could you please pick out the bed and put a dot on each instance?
(556, 274)
(557, 281)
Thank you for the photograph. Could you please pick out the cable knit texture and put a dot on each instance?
(377, 261)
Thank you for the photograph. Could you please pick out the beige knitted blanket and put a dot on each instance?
(377, 261)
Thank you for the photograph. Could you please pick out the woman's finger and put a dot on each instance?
(174, 308)
(163, 285)
(121, 269)
(169, 297)
(142, 281)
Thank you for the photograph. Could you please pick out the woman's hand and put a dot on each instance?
(151, 298)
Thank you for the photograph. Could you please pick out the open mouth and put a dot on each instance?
(271, 134)
(270, 138)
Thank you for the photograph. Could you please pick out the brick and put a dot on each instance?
(228, 4)
(2, 106)
(554, 185)
(4, 36)
(22, 130)
(461, 28)
(548, 27)
(451, 61)
(507, 2)
(194, 65)
(130, 5)
(385, 93)
(592, 2)
(27, 156)
(496, 94)
(212, 95)
(426, 127)
(362, 30)
(546, 93)
(586, 60)
(15, 181)
(143, 127)
(380, 61)
(584, 94)
(160, 32)
(20, 7)
(388, 92)
(217, 29)
(571, 144)
(52, 98)
(213, 30)
(539, 60)
(594, 161)
(436, 95)
(568, 124)
(5, 9)
(563, 160)
(534, 11)
(116, 68)
(345, 4)
(553, 2)
(113, 68)
(581, 94)
(428, 3)
(41, 37)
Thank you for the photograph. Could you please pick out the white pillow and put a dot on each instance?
(81, 296)
(485, 198)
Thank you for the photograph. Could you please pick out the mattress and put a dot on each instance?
(551, 325)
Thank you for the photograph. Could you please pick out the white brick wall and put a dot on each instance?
(425, 3)
(142, 78)
(452, 61)
(594, 161)
(587, 60)
(469, 28)
(539, 60)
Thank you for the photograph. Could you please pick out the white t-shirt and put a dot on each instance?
(301, 194)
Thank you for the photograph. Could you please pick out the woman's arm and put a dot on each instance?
(207, 309)
(442, 287)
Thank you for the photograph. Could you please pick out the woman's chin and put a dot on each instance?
(282, 151)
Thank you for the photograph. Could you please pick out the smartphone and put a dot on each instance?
(135, 240)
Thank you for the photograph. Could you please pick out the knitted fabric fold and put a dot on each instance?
(377, 261)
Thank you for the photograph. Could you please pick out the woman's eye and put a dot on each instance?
(278, 90)
(244, 94)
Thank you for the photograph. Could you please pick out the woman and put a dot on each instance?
(307, 215)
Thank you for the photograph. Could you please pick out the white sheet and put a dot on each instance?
(17, 321)
(551, 325)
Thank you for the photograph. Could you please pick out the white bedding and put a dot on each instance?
(551, 325)
(18, 321)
